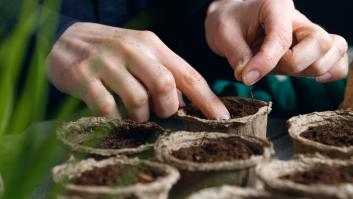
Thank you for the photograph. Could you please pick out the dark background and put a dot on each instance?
(335, 16)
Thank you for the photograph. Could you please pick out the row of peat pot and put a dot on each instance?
(175, 170)
(212, 159)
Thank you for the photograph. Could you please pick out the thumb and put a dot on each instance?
(277, 25)
(236, 50)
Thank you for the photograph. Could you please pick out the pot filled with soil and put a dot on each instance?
(329, 133)
(233, 192)
(208, 159)
(100, 136)
(115, 178)
(248, 117)
(312, 176)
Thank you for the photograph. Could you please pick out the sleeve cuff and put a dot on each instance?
(64, 23)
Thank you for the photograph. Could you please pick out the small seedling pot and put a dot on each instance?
(66, 174)
(274, 174)
(227, 192)
(248, 117)
(196, 175)
(327, 142)
(102, 137)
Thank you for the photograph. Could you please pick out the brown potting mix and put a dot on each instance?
(322, 174)
(117, 175)
(129, 135)
(217, 150)
(236, 109)
(329, 135)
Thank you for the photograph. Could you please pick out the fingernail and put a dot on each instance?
(239, 69)
(324, 78)
(251, 77)
(225, 115)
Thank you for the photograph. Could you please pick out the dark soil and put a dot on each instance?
(217, 151)
(330, 135)
(118, 175)
(322, 174)
(237, 109)
(130, 135)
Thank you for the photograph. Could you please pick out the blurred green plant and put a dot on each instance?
(27, 154)
(26, 157)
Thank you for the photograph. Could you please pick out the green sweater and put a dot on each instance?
(289, 95)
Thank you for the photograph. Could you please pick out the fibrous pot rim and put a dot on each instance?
(72, 169)
(264, 110)
(176, 140)
(86, 122)
(227, 191)
(298, 124)
(270, 172)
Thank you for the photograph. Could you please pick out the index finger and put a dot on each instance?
(194, 86)
(277, 25)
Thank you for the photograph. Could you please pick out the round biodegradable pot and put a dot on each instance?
(313, 176)
(233, 192)
(328, 133)
(248, 117)
(98, 136)
(208, 159)
(90, 178)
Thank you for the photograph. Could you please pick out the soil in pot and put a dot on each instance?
(118, 175)
(329, 135)
(103, 137)
(216, 151)
(209, 159)
(322, 174)
(115, 177)
(248, 117)
(128, 135)
(236, 109)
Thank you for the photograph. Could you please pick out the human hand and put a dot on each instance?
(90, 59)
(262, 36)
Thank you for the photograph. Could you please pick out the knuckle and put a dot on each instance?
(324, 41)
(138, 100)
(192, 77)
(106, 107)
(344, 71)
(268, 61)
(284, 39)
(148, 35)
(107, 68)
(165, 83)
(221, 30)
(91, 92)
(83, 72)
(77, 72)
(341, 44)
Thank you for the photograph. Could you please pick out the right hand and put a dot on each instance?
(90, 59)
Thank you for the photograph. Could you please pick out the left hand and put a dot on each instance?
(262, 36)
